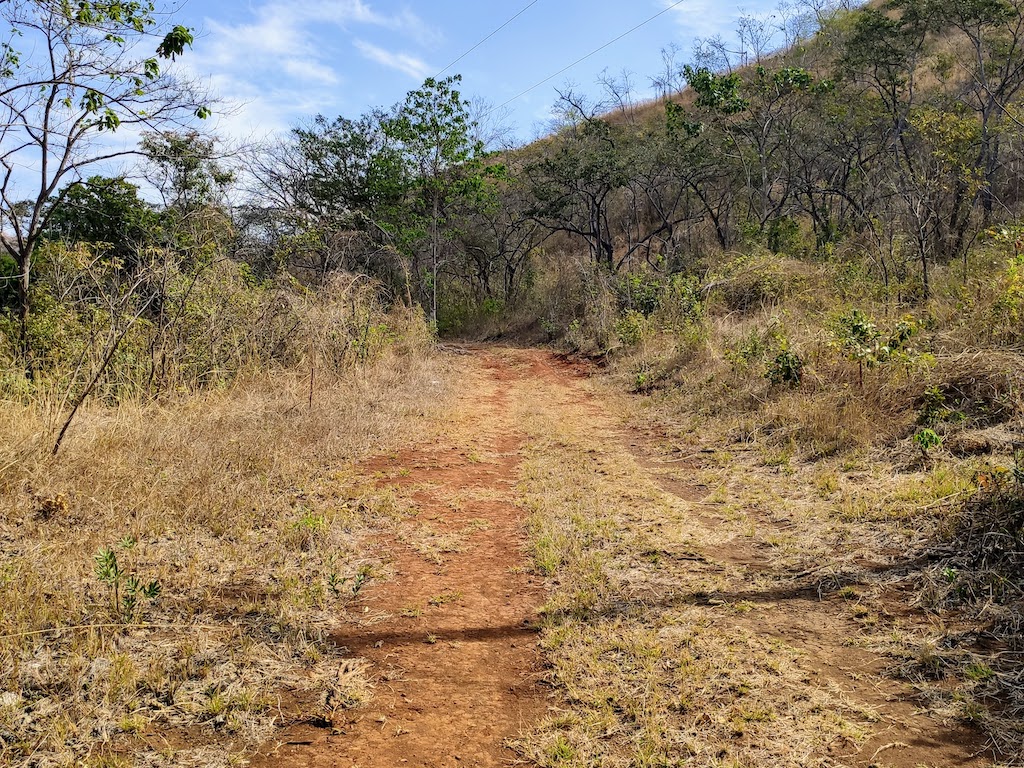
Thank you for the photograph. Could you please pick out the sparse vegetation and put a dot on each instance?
(240, 530)
(800, 271)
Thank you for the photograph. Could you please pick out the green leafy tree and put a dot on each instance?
(328, 193)
(350, 169)
(106, 212)
(720, 93)
(576, 178)
(185, 169)
(445, 162)
(758, 118)
(940, 144)
(71, 72)
(193, 181)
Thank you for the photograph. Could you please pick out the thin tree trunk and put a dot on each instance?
(433, 259)
(24, 309)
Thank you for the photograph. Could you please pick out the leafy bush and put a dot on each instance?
(786, 368)
(755, 347)
(631, 328)
(1008, 309)
(8, 284)
(927, 439)
(860, 339)
(167, 327)
(682, 303)
(642, 293)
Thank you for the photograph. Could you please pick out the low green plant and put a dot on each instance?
(355, 583)
(1008, 308)
(683, 302)
(978, 672)
(643, 377)
(310, 528)
(444, 598)
(631, 328)
(549, 327)
(641, 292)
(126, 590)
(755, 347)
(933, 407)
(926, 440)
(574, 336)
(785, 368)
(857, 335)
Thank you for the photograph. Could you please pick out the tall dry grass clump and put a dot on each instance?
(180, 562)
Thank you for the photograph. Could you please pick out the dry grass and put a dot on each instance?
(653, 669)
(243, 505)
(824, 480)
(712, 372)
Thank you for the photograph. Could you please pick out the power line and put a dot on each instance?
(584, 58)
(524, 10)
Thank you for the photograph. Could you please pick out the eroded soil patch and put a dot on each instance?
(450, 638)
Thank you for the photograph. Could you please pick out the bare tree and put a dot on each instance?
(670, 80)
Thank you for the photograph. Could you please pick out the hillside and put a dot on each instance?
(690, 434)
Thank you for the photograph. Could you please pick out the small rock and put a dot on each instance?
(10, 699)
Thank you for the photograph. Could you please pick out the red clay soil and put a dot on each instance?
(450, 638)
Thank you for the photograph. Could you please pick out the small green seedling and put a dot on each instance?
(926, 440)
(126, 589)
(336, 582)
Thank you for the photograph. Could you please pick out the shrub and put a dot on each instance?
(642, 293)
(166, 327)
(786, 368)
(860, 339)
(631, 328)
(1008, 309)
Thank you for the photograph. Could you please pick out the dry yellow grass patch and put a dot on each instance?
(654, 670)
(242, 508)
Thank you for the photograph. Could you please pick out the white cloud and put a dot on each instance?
(706, 18)
(284, 60)
(283, 28)
(343, 14)
(309, 71)
(410, 65)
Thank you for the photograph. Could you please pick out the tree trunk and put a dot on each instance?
(24, 308)
(433, 261)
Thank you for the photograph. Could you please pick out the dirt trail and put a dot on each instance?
(450, 638)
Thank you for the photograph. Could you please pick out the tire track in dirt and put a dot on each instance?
(450, 638)
(811, 616)
(898, 731)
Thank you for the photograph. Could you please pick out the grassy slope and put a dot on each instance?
(244, 506)
(824, 482)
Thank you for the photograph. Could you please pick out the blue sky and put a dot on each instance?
(275, 63)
